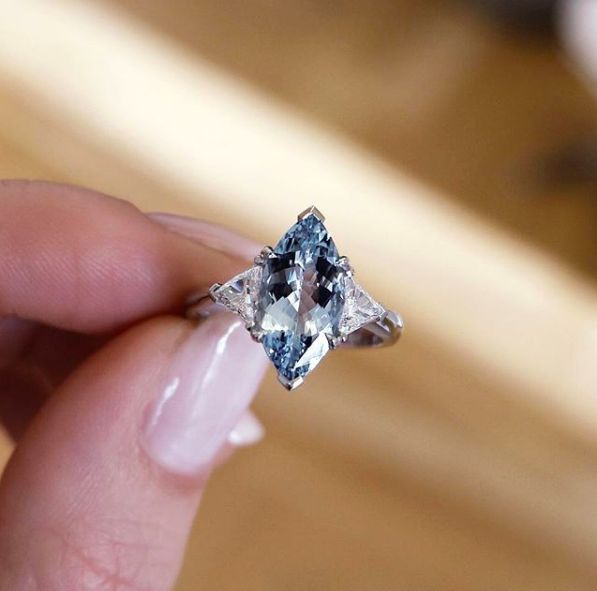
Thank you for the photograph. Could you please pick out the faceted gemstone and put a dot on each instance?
(239, 294)
(300, 300)
(359, 307)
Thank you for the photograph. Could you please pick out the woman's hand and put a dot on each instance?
(120, 407)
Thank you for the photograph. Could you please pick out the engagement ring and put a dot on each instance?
(300, 300)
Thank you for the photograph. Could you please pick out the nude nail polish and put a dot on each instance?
(211, 380)
(211, 235)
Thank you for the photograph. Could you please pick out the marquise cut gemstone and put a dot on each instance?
(300, 299)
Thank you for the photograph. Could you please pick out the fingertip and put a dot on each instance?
(212, 235)
(91, 465)
(79, 260)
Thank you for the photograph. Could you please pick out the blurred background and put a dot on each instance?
(452, 145)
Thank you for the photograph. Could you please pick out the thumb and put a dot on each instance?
(102, 490)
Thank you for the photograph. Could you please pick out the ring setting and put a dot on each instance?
(300, 300)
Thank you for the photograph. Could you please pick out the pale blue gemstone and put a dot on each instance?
(300, 299)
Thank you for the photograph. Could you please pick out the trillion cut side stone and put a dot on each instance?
(240, 293)
(300, 301)
(359, 308)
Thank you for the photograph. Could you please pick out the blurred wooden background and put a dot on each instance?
(463, 459)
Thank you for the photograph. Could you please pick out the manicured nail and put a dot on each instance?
(208, 387)
(210, 235)
(247, 431)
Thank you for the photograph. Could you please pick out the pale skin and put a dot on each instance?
(91, 295)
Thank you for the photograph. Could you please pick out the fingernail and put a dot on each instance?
(210, 235)
(247, 431)
(208, 387)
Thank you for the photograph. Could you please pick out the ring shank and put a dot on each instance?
(201, 305)
(382, 333)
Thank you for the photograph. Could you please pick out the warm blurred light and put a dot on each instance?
(144, 99)
(476, 430)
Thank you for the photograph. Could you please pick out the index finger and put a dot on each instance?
(83, 261)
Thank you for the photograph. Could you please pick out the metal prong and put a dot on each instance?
(335, 341)
(311, 211)
(256, 335)
(396, 319)
(267, 252)
(290, 384)
(345, 265)
(213, 289)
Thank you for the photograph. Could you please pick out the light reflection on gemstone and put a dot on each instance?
(300, 300)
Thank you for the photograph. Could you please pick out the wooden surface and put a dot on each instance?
(463, 459)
